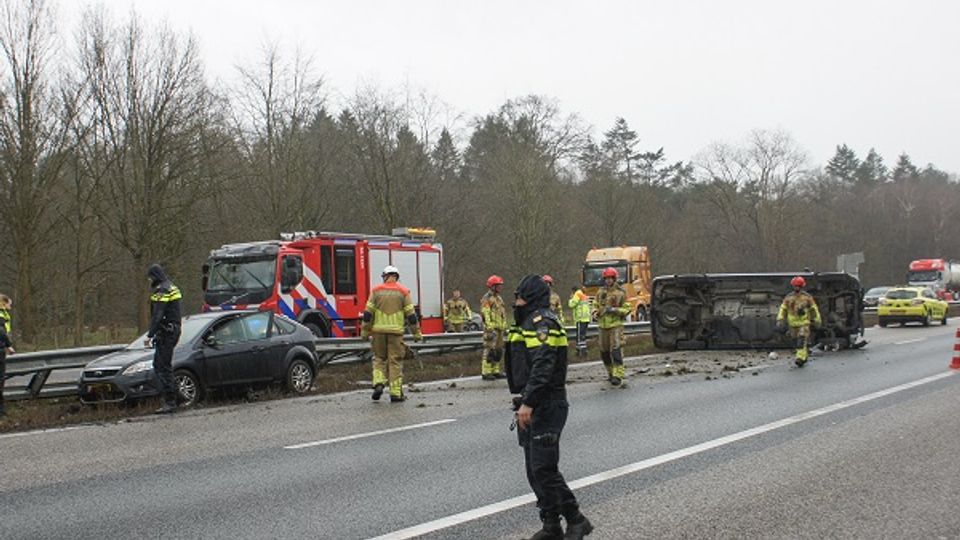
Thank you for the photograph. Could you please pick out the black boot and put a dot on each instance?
(577, 529)
(551, 530)
(377, 392)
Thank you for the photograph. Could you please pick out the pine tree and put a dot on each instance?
(871, 170)
(905, 171)
(843, 166)
(446, 158)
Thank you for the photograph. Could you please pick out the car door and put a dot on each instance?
(235, 354)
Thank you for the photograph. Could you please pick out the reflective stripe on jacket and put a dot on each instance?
(580, 304)
(389, 308)
(494, 312)
(616, 298)
(797, 308)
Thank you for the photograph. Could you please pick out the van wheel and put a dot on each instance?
(189, 389)
(299, 377)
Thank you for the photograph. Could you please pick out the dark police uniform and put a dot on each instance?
(537, 370)
(5, 342)
(164, 331)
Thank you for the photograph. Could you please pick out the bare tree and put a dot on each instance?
(287, 166)
(150, 111)
(35, 116)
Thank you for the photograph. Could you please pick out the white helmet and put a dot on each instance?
(390, 269)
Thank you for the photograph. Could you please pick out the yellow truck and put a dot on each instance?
(633, 265)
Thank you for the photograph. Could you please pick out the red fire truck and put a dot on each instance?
(323, 279)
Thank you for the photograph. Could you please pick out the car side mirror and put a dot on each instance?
(211, 341)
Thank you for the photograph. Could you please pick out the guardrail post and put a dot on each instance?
(37, 381)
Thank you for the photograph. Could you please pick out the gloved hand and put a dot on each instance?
(489, 335)
(782, 327)
(418, 336)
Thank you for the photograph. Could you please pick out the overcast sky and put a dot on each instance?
(880, 74)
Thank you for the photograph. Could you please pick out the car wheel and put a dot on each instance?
(882, 322)
(943, 321)
(299, 376)
(189, 389)
(926, 318)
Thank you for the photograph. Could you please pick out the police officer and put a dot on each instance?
(388, 308)
(612, 310)
(456, 312)
(494, 325)
(798, 312)
(6, 342)
(164, 333)
(537, 371)
(579, 304)
(555, 303)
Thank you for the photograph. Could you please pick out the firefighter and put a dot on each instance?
(555, 303)
(456, 312)
(579, 304)
(537, 371)
(612, 309)
(388, 308)
(164, 333)
(494, 325)
(6, 342)
(797, 313)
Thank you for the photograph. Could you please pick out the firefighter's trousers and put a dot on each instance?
(388, 354)
(492, 352)
(611, 340)
(801, 337)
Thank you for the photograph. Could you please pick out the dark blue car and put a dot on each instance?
(227, 348)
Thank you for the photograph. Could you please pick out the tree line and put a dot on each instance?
(117, 151)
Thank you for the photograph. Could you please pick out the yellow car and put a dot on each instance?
(911, 304)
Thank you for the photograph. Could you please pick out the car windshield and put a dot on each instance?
(241, 275)
(877, 291)
(593, 274)
(190, 327)
(901, 294)
(920, 277)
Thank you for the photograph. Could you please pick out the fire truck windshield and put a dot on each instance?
(239, 276)
(593, 273)
(926, 276)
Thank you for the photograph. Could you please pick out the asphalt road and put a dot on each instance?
(858, 444)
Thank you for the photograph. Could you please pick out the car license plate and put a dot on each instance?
(897, 311)
(96, 388)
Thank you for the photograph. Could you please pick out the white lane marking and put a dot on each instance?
(370, 434)
(490, 509)
(41, 432)
(918, 340)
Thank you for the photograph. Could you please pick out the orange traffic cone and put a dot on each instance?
(955, 363)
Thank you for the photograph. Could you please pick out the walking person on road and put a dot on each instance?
(388, 309)
(6, 342)
(798, 312)
(537, 371)
(494, 325)
(164, 333)
(579, 304)
(612, 310)
(456, 312)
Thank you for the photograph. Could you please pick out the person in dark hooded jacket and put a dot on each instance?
(537, 371)
(164, 332)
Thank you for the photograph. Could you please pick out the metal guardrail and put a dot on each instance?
(39, 365)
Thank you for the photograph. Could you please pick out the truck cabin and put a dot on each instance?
(241, 274)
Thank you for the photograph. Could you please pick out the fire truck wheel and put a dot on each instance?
(316, 329)
(299, 376)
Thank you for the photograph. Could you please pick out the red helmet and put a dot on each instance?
(494, 280)
(548, 279)
(798, 282)
(611, 272)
